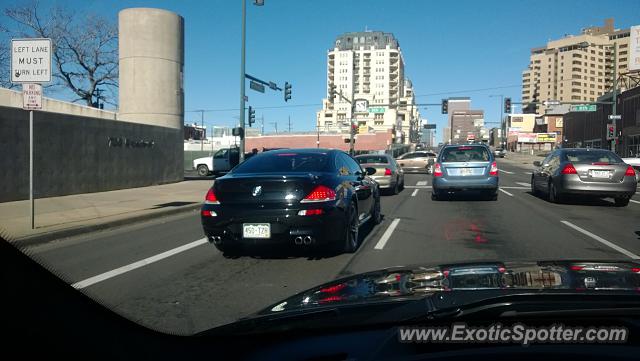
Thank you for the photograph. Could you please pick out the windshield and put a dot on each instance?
(188, 164)
(465, 154)
(372, 159)
(284, 163)
(592, 156)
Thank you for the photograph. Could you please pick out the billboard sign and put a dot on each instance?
(527, 137)
(546, 137)
(634, 45)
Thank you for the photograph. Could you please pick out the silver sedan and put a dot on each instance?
(586, 172)
(388, 175)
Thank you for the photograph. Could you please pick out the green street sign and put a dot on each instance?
(376, 110)
(583, 108)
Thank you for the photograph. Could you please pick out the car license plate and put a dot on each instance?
(256, 230)
(466, 171)
(600, 174)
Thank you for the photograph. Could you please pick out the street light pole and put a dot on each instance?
(503, 129)
(615, 95)
(202, 128)
(242, 75)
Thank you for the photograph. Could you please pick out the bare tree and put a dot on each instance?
(85, 49)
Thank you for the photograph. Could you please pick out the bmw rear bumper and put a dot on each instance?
(287, 227)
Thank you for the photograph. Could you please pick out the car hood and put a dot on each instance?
(404, 283)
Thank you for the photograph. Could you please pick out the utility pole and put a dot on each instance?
(262, 125)
(351, 130)
(614, 110)
(275, 124)
(289, 124)
(202, 128)
(242, 75)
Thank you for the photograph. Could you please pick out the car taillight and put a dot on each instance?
(577, 268)
(635, 270)
(211, 197)
(569, 169)
(206, 213)
(387, 171)
(320, 194)
(494, 169)
(630, 172)
(437, 170)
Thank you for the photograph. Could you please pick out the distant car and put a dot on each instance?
(298, 197)
(469, 167)
(596, 173)
(635, 163)
(499, 152)
(388, 175)
(418, 161)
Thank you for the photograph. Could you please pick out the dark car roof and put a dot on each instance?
(372, 154)
(303, 150)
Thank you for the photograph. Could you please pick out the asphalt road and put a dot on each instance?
(139, 271)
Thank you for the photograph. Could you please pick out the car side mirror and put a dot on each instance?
(537, 163)
(370, 171)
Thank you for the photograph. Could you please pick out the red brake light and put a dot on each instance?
(437, 170)
(387, 171)
(635, 270)
(320, 194)
(630, 172)
(465, 148)
(333, 289)
(211, 197)
(494, 169)
(569, 169)
(577, 268)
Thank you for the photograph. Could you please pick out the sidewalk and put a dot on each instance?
(523, 160)
(59, 217)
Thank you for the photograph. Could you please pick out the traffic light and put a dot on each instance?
(445, 106)
(354, 129)
(332, 92)
(287, 91)
(507, 105)
(611, 131)
(252, 116)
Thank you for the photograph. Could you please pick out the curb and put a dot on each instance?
(65, 233)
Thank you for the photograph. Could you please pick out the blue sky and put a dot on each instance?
(448, 47)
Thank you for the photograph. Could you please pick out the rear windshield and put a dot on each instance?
(465, 154)
(284, 163)
(592, 156)
(362, 159)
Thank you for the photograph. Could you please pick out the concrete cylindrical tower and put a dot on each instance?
(151, 52)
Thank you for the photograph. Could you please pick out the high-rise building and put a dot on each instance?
(576, 67)
(464, 123)
(369, 65)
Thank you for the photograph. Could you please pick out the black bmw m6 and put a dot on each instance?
(297, 197)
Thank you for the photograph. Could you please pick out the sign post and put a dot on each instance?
(31, 66)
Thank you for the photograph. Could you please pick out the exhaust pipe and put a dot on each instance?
(308, 240)
(298, 240)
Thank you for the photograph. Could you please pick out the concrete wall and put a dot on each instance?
(72, 154)
(151, 52)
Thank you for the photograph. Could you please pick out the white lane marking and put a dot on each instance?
(418, 187)
(387, 234)
(118, 271)
(509, 187)
(414, 192)
(601, 240)
(631, 200)
(524, 184)
(527, 173)
(505, 192)
(421, 183)
(506, 171)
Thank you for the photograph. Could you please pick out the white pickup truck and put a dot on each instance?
(221, 161)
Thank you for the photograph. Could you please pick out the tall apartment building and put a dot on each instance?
(576, 67)
(369, 65)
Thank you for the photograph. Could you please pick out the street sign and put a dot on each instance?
(273, 85)
(551, 102)
(429, 126)
(615, 117)
(583, 108)
(376, 110)
(30, 60)
(31, 96)
(256, 86)
(361, 105)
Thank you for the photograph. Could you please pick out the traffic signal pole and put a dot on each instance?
(614, 110)
(242, 76)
